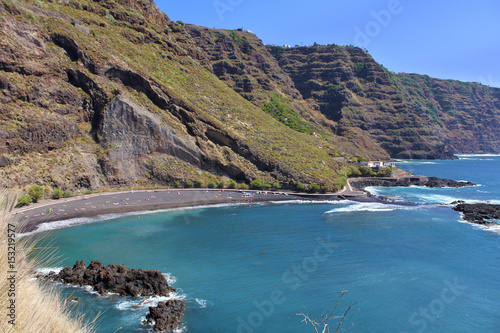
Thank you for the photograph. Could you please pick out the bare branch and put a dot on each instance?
(327, 316)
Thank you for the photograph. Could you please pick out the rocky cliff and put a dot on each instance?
(114, 94)
(409, 115)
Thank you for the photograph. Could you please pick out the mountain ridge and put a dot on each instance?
(99, 94)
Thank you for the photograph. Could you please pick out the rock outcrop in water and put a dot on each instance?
(114, 279)
(361, 183)
(126, 282)
(166, 315)
(479, 213)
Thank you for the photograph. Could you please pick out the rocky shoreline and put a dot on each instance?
(479, 213)
(126, 282)
(362, 183)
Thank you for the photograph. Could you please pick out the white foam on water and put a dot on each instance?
(491, 228)
(201, 302)
(495, 229)
(170, 278)
(62, 224)
(47, 270)
(89, 289)
(447, 200)
(372, 190)
(476, 155)
(370, 207)
(141, 303)
(301, 202)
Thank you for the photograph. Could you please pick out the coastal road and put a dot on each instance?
(349, 191)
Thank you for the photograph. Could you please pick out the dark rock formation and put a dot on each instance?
(440, 182)
(127, 282)
(114, 278)
(361, 183)
(166, 315)
(479, 213)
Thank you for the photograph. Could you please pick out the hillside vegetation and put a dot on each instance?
(113, 94)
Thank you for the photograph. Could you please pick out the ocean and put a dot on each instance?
(242, 268)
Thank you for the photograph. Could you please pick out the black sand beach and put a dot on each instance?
(122, 202)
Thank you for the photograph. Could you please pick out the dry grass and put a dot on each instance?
(37, 308)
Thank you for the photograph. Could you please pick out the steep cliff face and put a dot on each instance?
(411, 116)
(244, 63)
(102, 93)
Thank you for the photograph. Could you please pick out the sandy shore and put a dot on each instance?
(122, 202)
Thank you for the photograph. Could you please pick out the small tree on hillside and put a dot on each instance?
(314, 187)
(35, 192)
(300, 187)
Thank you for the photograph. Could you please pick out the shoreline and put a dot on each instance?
(98, 204)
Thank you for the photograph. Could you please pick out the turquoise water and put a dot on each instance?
(253, 268)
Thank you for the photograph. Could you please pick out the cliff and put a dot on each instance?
(114, 94)
(409, 115)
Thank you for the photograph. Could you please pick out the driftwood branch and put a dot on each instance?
(324, 323)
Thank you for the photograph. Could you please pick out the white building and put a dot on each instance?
(377, 164)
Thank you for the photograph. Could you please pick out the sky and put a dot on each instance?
(445, 39)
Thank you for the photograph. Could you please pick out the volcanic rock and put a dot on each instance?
(479, 213)
(166, 315)
(114, 278)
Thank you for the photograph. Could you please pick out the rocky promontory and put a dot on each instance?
(114, 279)
(479, 213)
(362, 183)
(126, 282)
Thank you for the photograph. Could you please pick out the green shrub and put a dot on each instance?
(243, 186)
(35, 192)
(314, 187)
(300, 187)
(325, 188)
(198, 184)
(290, 118)
(366, 171)
(221, 184)
(385, 172)
(354, 172)
(340, 182)
(232, 184)
(188, 184)
(177, 184)
(276, 185)
(211, 184)
(68, 194)
(57, 194)
(87, 191)
(23, 200)
(258, 184)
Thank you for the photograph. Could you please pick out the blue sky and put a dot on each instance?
(446, 39)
